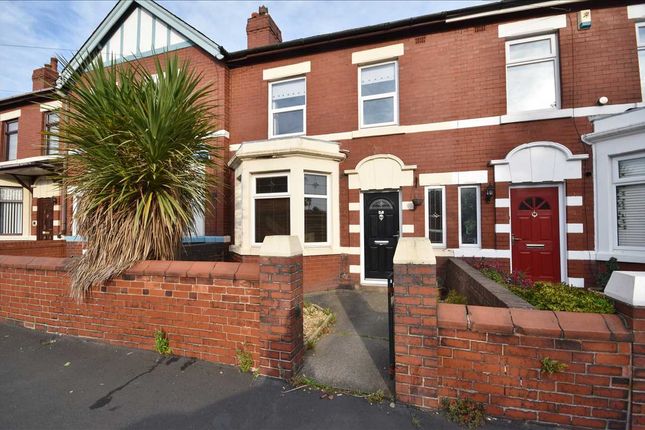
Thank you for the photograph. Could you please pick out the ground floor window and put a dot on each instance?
(271, 206)
(469, 215)
(435, 214)
(629, 182)
(10, 210)
(316, 208)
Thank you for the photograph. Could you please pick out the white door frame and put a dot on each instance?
(562, 213)
(371, 281)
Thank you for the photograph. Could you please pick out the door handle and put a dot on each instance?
(381, 242)
(515, 239)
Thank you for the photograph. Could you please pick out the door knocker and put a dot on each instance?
(534, 214)
(381, 215)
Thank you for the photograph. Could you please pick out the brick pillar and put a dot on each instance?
(281, 301)
(415, 323)
(628, 290)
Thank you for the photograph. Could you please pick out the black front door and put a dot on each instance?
(381, 232)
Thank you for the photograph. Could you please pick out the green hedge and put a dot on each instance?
(552, 296)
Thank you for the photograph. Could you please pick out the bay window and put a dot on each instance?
(10, 210)
(378, 95)
(272, 207)
(287, 107)
(532, 74)
(629, 183)
(435, 215)
(316, 208)
(469, 216)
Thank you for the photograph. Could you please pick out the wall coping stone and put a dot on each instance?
(452, 316)
(189, 269)
(533, 322)
(496, 320)
(280, 246)
(414, 250)
(627, 286)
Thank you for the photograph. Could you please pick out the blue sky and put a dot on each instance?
(60, 27)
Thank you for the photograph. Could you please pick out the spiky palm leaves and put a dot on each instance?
(135, 157)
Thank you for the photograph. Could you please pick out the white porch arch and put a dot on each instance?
(539, 162)
(380, 172)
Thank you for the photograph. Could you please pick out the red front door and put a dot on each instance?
(535, 233)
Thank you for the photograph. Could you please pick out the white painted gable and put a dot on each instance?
(141, 34)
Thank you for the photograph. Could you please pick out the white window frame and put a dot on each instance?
(394, 94)
(640, 46)
(616, 182)
(302, 107)
(443, 243)
(479, 216)
(257, 196)
(555, 57)
(20, 219)
(328, 198)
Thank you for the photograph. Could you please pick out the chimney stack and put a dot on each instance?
(45, 77)
(261, 30)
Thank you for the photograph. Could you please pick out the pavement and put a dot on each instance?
(59, 382)
(355, 352)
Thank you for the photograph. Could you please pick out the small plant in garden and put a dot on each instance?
(244, 360)
(546, 295)
(466, 412)
(603, 277)
(456, 298)
(550, 366)
(162, 344)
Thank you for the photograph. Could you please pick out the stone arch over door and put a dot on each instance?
(381, 172)
(539, 162)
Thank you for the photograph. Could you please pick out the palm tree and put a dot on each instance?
(136, 156)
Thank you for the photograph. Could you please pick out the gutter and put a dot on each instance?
(440, 19)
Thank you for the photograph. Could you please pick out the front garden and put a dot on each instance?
(546, 295)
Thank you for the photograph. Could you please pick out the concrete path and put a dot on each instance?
(355, 354)
(106, 387)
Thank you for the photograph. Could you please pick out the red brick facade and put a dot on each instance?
(448, 73)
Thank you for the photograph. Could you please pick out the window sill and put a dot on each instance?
(382, 130)
(536, 115)
(631, 256)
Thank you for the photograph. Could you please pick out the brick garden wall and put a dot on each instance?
(493, 355)
(208, 310)
(478, 289)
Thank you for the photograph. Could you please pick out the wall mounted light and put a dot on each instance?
(490, 193)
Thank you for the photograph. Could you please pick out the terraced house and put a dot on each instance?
(511, 131)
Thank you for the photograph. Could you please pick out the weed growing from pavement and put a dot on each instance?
(550, 366)
(466, 412)
(244, 360)
(162, 344)
(306, 381)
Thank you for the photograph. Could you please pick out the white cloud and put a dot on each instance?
(63, 24)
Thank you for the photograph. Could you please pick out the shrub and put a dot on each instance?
(546, 295)
(563, 297)
(465, 412)
(603, 277)
(454, 297)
